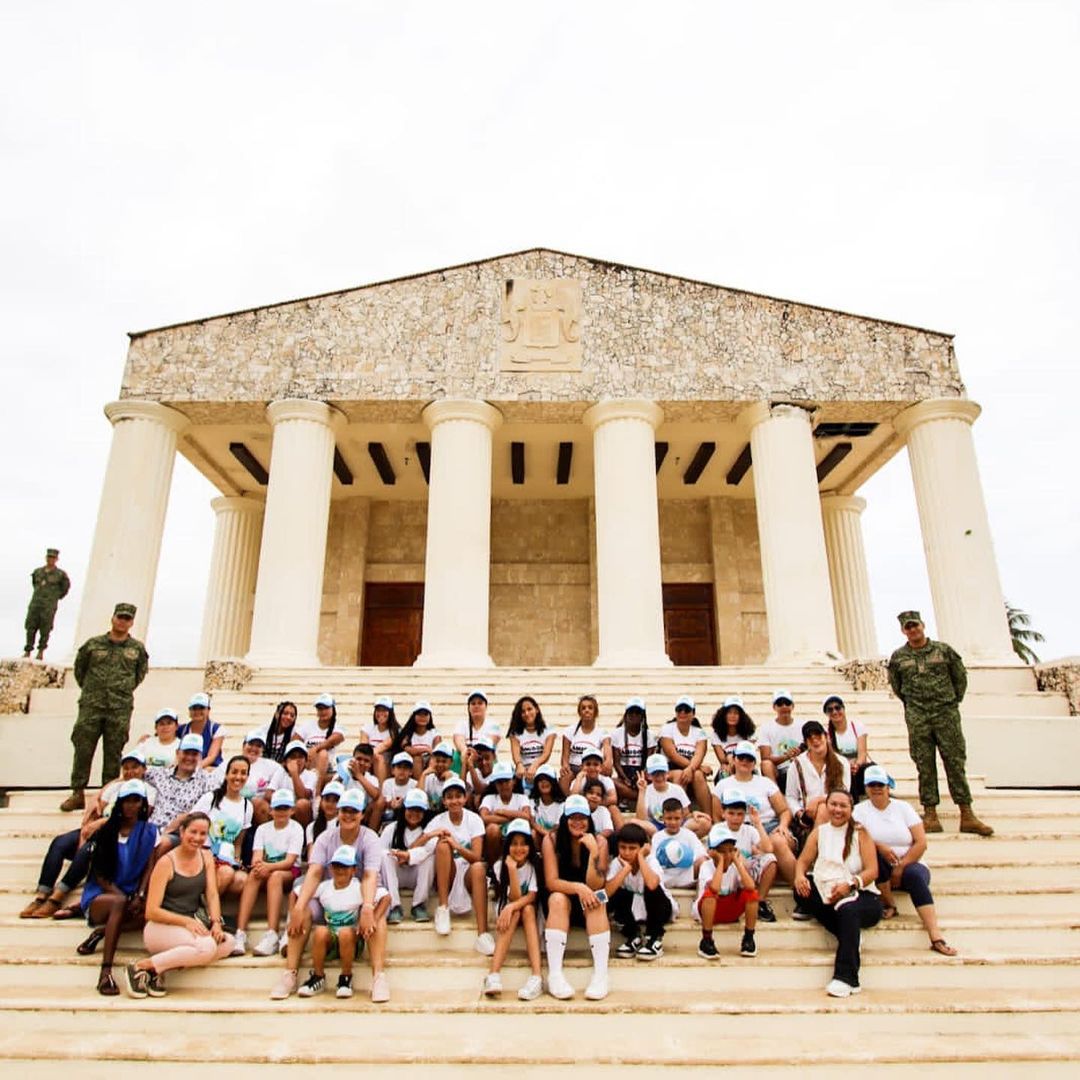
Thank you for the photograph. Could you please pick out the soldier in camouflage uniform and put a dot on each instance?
(51, 585)
(108, 668)
(930, 679)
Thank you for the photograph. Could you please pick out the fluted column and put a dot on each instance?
(234, 565)
(854, 613)
(131, 515)
(629, 595)
(794, 566)
(457, 569)
(969, 607)
(292, 554)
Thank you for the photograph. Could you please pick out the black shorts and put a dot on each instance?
(577, 912)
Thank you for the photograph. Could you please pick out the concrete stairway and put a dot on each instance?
(1011, 999)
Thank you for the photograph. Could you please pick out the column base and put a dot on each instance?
(453, 660)
(633, 659)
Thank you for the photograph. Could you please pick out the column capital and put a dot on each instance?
(305, 409)
(479, 412)
(129, 409)
(624, 409)
(936, 409)
(761, 411)
(238, 504)
(843, 502)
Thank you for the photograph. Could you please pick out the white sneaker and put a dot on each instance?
(597, 989)
(559, 988)
(533, 988)
(239, 944)
(284, 987)
(380, 987)
(493, 984)
(283, 942)
(442, 920)
(268, 944)
(485, 944)
(839, 989)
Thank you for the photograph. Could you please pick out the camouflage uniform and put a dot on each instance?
(931, 682)
(108, 672)
(50, 587)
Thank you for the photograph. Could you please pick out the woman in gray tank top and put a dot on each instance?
(183, 913)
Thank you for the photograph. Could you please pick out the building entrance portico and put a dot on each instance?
(544, 460)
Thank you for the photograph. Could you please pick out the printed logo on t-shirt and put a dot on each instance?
(673, 854)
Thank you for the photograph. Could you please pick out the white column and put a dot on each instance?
(629, 597)
(794, 567)
(234, 564)
(457, 570)
(969, 607)
(131, 515)
(842, 517)
(288, 593)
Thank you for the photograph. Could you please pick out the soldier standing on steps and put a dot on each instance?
(108, 668)
(930, 679)
(51, 585)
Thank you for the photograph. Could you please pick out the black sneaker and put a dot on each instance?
(749, 945)
(155, 984)
(707, 949)
(800, 914)
(344, 986)
(652, 949)
(134, 982)
(629, 948)
(314, 984)
(765, 912)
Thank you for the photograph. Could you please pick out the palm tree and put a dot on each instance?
(1021, 633)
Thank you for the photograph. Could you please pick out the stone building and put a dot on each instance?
(543, 459)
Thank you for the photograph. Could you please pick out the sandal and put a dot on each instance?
(68, 912)
(940, 945)
(90, 945)
(888, 912)
(106, 984)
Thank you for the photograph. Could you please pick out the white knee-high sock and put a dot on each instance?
(555, 940)
(599, 945)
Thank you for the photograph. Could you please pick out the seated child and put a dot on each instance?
(725, 891)
(636, 893)
(340, 898)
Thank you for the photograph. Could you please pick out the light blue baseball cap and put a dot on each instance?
(875, 774)
(344, 856)
(721, 834)
(656, 763)
(416, 800)
(191, 741)
(353, 799)
(576, 804)
(518, 825)
(500, 771)
(282, 797)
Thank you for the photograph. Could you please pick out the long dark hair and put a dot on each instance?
(596, 712)
(219, 791)
(563, 840)
(319, 825)
(397, 838)
(517, 722)
(392, 724)
(104, 860)
(333, 718)
(502, 884)
(852, 825)
(404, 737)
(744, 729)
(557, 793)
(644, 730)
(277, 753)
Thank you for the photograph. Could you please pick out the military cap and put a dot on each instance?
(909, 616)
(124, 609)
(53, 552)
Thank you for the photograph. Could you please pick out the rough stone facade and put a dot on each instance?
(404, 343)
(19, 677)
(1062, 677)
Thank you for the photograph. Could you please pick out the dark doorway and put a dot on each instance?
(393, 620)
(690, 624)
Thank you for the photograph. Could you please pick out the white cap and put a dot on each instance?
(129, 788)
(282, 797)
(134, 754)
(453, 781)
(344, 856)
(484, 743)
(733, 795)
(745, 749)
(656, 763)
(721, 834)
(576, 804)
(191, 741)
(782, 695)
(477, 693)
(325, 699)
(199, 700)
(335, 788)
(166, 713)
(734, 700)
(384, 703)
(256, 735)
(546, 770)
(592, 751)
(296, 744)
(687, 701)
(501, 771)
(518, 825)
(416, 800)
(402, 757)
(635, 703)
(422, 706)
(353, 799)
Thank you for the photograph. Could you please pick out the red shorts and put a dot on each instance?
(729, 907)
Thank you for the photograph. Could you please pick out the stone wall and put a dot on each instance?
(540, 582)
(438, 334)
(18, 677)
(343, 581)
(740, 598)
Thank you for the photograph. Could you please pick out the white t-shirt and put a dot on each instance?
(277, 844)
(227, 821)
(758, 789)
(341, 907)
(847, 741)
(493, 803)
(547, 815)
(433, 788)
(526, 876)
(685, 745)
(628, 749)
(813, 783)
(609, 784)
(730, 883)
(410, 836)
(654, 801)
(580, 741)
(891, 826)
(530, 746)
(468, 829)
(485, 782)
(635, 884)
(426, 739)
(369, 733)
(676, 855)
(312, 734)
(747, 840)
(158, 753)
(391, 789)
(780, 738)
(601, 819)
(489, 731)
(264, 775)
(728, 743)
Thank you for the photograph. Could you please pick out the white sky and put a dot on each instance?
(912, 161)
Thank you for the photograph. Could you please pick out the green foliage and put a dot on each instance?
(1021, 633)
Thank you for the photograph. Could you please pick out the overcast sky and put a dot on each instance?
(912, 161)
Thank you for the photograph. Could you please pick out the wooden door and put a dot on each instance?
(690, 624)
(393, 620)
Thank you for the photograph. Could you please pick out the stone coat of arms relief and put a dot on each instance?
(541, 325)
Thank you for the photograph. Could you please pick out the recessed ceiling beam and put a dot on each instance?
(661, 453)
(341, 470)
(381, 463)
(562, 469)
(832, 459)
(740, 468)
(423, 453)
(697, 466)
(249, 461)
(517, 462)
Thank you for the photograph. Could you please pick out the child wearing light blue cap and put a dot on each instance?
(408, 861)
(499, 807)
(340, 898)
(395, 787)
